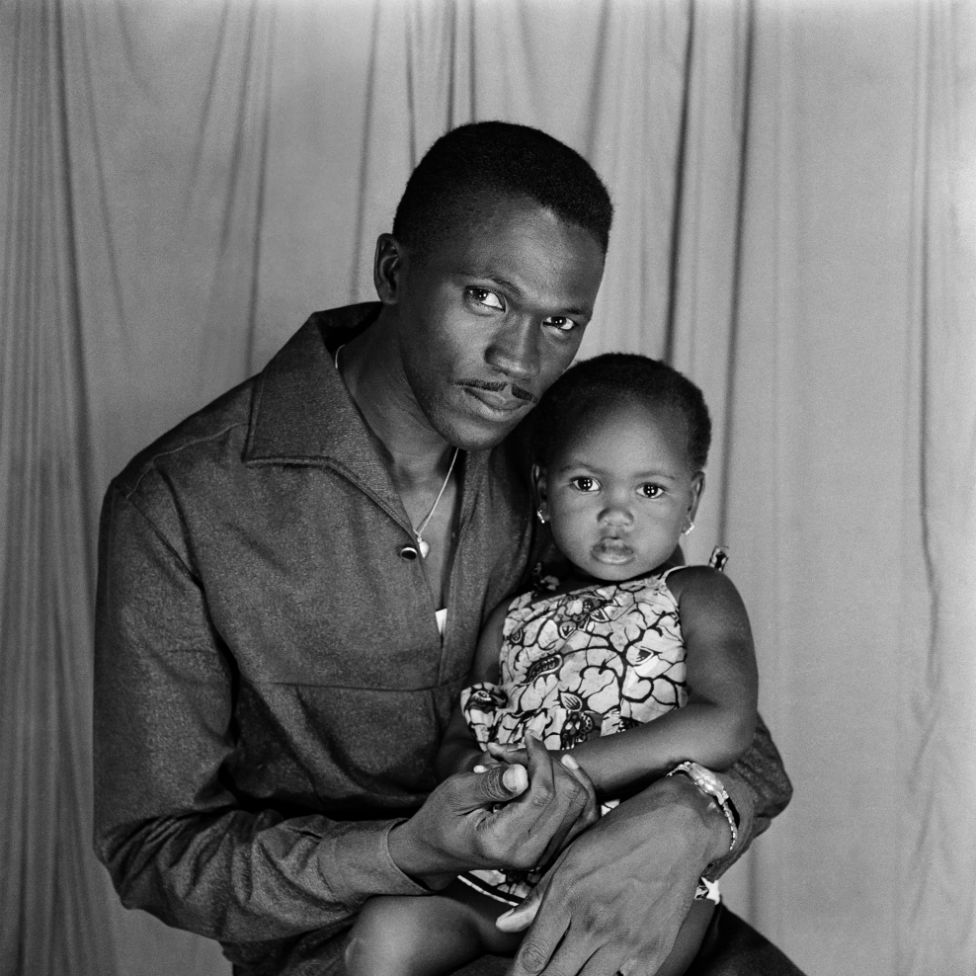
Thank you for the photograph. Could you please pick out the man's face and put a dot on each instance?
(491, 314)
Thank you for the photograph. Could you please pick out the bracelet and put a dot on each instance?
(711, 786)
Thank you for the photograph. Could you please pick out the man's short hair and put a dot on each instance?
(501, 158)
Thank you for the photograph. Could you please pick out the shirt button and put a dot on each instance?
(409, 553)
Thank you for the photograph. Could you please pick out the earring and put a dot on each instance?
(689, 528)
(541, 516)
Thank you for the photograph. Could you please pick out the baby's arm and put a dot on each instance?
(459, 750)
(716, 725)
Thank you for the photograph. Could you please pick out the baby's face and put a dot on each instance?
(620, 494)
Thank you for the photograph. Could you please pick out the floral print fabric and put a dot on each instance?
(582, 664)
(573, 666)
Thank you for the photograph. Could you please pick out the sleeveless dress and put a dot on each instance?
(573, 666)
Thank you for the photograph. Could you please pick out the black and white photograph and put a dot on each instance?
(488, 488)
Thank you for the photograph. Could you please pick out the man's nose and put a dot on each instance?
(514, 349)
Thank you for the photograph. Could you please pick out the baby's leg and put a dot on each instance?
(426, 935)
(689, 940)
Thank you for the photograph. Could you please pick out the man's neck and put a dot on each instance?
(372, 372)
(420, 461)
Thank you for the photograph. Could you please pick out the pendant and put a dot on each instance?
(424, 547)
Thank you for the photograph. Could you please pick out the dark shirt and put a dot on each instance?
(271, 687)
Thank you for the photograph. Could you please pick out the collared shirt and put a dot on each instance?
(270, 683)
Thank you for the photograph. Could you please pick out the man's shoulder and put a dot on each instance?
(216, 429)
(217, 433)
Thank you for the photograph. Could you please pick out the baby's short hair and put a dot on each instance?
(612, 380)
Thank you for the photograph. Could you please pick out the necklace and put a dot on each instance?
(418, 530)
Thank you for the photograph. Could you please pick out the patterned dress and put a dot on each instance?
(577, 665)
(574, 666)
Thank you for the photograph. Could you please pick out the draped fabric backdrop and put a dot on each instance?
(183, 182)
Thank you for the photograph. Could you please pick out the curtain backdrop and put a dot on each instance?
(182, 183)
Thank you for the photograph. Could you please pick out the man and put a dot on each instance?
(291, 585)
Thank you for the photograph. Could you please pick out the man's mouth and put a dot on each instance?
(498, 400)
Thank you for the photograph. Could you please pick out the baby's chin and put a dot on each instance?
(598, 572)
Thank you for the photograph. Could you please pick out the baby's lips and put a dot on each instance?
(613, 546)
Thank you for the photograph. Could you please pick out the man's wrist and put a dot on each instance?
(714, 826)
(709, 784)
(411, 861)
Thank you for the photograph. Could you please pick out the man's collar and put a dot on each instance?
(301, 412)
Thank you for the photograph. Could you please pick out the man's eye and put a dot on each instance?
(651, 491)
(561, 323)
(484, 296)
(585, 483)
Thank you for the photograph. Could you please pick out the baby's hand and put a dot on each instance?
(518, 756)
(507, 754)
(485, 761)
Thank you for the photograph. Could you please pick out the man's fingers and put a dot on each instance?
(535, 806)
(579, 814)
(519, 918)
(559, 795)
(539, 763)
(498, 784)
(605, 960)
(591, 808)
(540, 943)
(553, 946)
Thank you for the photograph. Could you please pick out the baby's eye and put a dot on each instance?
(649, 490)
(485, 297)
(560, 323)
(584, 483)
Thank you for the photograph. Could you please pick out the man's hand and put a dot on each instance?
(511, 815)
(614, 900)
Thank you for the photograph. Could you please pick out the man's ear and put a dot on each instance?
(541, 486)
(387, 262)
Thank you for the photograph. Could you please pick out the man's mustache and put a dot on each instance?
(498, 386)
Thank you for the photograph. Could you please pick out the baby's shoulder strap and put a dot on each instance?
(674, 569)
(717, 561)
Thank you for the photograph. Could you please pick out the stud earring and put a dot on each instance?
(689, 528)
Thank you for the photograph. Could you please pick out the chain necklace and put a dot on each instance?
(418, 530)
(422, 543)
